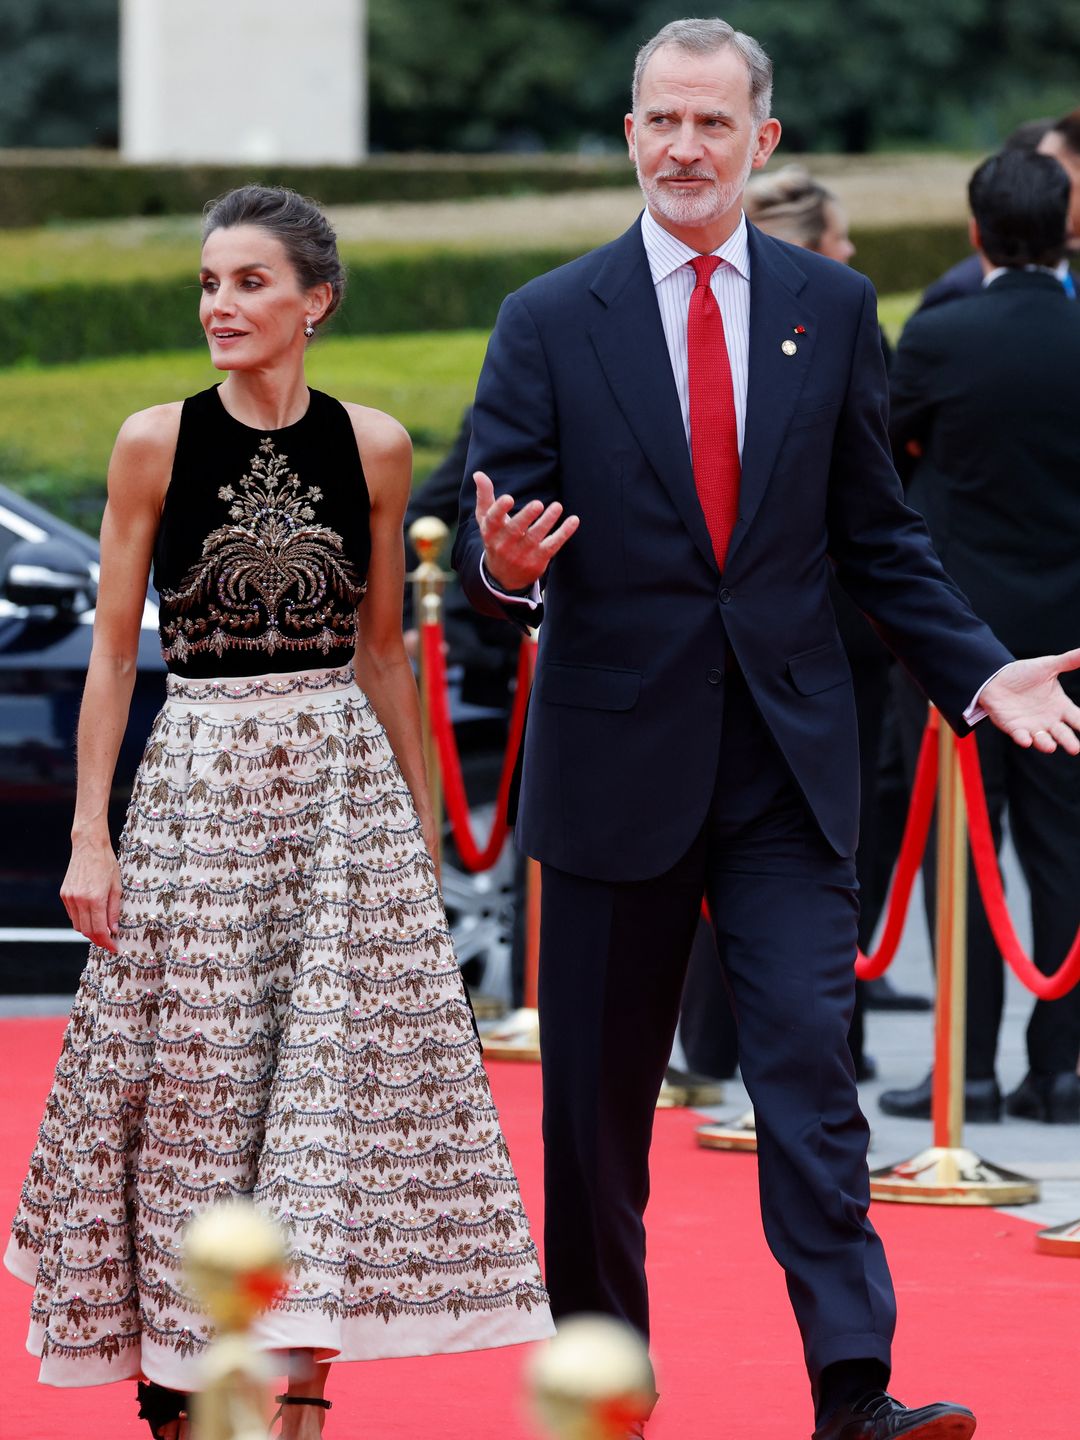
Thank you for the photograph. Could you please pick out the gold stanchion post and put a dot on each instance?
(428, 536)
(947, 1173)
(234, 1261)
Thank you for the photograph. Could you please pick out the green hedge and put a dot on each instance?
(908, 257)
(78, 187)
(439, 291)
(450, 290)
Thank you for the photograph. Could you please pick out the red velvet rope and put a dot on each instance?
(473, 857)
(983, 853)
(912, 849)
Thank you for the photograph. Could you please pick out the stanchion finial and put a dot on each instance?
(593, 1381)
(234, 1260)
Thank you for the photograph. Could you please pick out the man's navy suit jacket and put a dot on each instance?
(577, 402)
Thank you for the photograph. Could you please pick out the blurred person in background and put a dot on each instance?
(989, 389)
(1060, 138)
(271, 998)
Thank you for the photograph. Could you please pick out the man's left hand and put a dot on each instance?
(1027, 701)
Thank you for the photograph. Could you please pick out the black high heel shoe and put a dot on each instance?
(159, 1406)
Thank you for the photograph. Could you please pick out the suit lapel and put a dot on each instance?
(775, 378)
(629, 342)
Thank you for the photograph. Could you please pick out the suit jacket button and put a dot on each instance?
(726, 597)
(714, 677)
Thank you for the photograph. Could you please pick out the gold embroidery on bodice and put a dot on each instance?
(272, 580)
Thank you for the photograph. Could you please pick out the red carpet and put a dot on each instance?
(983, 1319)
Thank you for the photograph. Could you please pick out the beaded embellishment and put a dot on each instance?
(274, 579)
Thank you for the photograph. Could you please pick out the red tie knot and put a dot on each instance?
(704, 265)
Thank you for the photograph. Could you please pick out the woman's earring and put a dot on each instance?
(309, 329)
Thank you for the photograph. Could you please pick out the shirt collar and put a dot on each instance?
(1059, 272)
(666, 253)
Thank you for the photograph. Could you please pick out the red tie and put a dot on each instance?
(714, 436)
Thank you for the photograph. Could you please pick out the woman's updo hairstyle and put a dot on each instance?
(306, 235)
(789, 205)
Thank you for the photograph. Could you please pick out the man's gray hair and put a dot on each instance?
(703, 37)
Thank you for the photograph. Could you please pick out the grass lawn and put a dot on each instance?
(57, 424)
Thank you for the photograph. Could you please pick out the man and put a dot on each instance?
(1061, 139)
(990, 391)
(692, 727)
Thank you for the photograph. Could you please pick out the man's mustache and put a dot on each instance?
(687, 174)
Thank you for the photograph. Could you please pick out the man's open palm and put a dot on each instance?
(518, 548)
(1027, 701)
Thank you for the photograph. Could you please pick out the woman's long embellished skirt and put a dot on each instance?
(284, 1019)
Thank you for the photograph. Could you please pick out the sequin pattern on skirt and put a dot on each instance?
(284, 1019)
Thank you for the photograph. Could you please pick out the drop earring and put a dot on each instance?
(309, 329)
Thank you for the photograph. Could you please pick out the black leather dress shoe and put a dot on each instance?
(879, 1417)
(982, 1101)
(882, 994)
(1052, 1098)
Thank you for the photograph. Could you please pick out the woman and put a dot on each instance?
(271, 1004)
(791, 205)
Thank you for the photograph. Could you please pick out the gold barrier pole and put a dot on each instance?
(428, 536)
(235, 1262)
(947, 1173)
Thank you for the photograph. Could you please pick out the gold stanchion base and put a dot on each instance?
(1061, 1240)
(517, 1038)
(487, 1007)
(682, 1090)
(737, 1134)
(945, 1176)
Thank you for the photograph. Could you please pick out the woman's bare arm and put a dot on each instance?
(138, 478)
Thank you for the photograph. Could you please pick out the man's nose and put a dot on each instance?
(686, 145)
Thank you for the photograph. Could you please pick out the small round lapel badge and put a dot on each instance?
(789, 347)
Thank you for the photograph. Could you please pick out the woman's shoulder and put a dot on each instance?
(153, 431)
(380, 437)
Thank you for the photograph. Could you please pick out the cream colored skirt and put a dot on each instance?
(285, 1019)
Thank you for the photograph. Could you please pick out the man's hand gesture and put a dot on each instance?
(1027, 701)
(518, 548)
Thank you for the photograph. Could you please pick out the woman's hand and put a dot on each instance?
(91, 891)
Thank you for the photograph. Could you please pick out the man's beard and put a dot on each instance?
(699, 207)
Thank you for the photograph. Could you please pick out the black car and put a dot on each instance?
(48, 589)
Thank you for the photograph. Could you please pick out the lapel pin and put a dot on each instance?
(800, 329)
(789, 347)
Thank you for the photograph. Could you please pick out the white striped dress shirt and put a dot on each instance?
(674, 279)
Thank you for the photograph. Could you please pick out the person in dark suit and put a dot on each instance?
(990, 391)
(1059, 138)
(684, 427)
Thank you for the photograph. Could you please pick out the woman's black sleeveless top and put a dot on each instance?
(264, 543)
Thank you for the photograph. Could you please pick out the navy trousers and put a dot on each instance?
(612, 965)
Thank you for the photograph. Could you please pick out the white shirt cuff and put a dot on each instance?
(975, 712)
(532, 600)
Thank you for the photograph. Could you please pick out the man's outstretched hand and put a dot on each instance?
(519, 548)
(1027, 701)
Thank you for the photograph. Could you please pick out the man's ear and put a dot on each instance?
(973, 234)
(628, 127)
(768, 138)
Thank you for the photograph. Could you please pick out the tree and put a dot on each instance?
(59, 72)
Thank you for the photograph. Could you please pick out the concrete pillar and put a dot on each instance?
(227, 81)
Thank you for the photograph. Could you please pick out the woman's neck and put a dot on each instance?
(266, 400)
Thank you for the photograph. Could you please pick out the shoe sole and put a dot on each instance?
(942, 1427)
